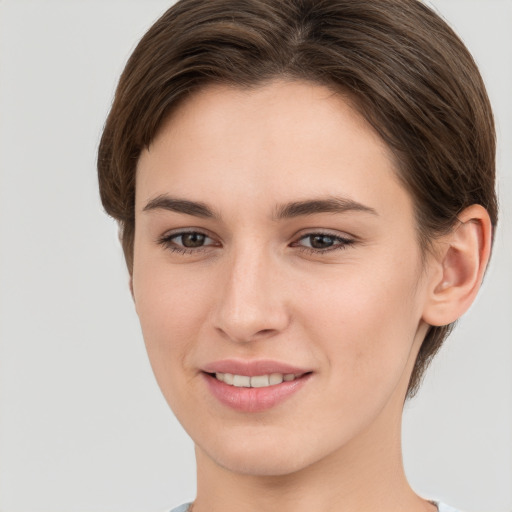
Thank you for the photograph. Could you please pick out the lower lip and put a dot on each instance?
(254, 399)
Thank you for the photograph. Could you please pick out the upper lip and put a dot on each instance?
(252, 368)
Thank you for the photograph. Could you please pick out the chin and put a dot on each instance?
(262, 455)
(260, 464)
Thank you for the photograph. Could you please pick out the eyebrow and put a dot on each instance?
(173, 204)
(285, 211)
(322, 205)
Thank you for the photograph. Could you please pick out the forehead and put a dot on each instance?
(274, 143)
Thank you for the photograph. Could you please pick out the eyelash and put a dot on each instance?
(168, 242)
(339, 243)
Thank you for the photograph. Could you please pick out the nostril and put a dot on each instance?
(265, 331)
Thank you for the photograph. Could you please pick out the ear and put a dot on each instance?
(459, 266)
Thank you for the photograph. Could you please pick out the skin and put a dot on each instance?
(355, 315)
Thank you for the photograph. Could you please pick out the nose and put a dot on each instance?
(251, 304)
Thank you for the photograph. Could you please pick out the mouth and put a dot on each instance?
(254, 387)
(256, 381)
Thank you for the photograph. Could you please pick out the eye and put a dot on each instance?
(186, 242)
(191, 240)
(322, 242)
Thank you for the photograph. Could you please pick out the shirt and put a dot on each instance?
(441, 507)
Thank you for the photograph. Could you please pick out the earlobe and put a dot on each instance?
(462, 258)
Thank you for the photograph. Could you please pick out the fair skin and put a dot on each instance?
(226, 268)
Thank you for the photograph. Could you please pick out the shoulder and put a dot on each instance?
(441, 507)
(181, 508)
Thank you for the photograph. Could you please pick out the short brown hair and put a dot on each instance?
(408, 73)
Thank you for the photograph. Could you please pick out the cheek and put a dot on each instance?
(364, 323)
(172, 307)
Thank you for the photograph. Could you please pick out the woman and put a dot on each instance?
(305, 192)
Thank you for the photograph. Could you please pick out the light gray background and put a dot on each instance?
(83, 426)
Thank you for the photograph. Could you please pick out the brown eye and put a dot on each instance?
(191, 240)
(321, 241)
(186, 242)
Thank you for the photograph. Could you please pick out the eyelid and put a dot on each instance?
(343, 235)
(167, 240)
(342, 241)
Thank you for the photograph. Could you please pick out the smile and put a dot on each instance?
(256, 393)
(256, 381)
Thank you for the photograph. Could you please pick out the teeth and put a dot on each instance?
(258, 381)
(275, 378)
(242, 381)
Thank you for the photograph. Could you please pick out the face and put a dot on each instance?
(276, 248)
